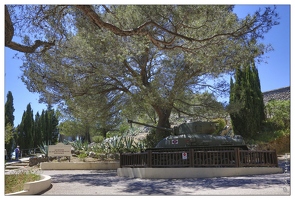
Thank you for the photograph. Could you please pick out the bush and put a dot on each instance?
(43, 148)
(97, 139)
(79, 145)
(82, 156)
(154, 138)
(221, 125)
(280, 144)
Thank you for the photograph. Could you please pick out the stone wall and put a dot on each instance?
(278, 94)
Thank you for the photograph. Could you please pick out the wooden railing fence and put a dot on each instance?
(192, 158)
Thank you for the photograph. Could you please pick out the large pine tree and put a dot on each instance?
(245, 92)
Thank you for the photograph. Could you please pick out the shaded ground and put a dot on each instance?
(106, 182)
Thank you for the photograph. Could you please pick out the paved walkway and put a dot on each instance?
(107, 183)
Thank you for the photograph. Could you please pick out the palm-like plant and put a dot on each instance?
(43, 148)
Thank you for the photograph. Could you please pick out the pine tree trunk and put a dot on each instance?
(164, 115)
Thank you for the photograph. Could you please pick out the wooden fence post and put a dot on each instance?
(121, 160)
(275, 158)
(237, 156)
(149, 158)
(192, 161)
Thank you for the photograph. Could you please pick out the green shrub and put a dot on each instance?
(124, 128)
(82, 156)
(153, 138)
(97, 138)
(220, 127)
(43, 148)
(79, 145)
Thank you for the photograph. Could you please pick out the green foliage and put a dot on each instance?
(140, 69)
(115, 144)
(152, 139)
(25, 130)
(267, 136)
(69, 128)
(43, 148)
(277, 124)
(278, 115)
(9, 109)
(79, 145)
(97, 148)
(82, 156)
(97, 138)
(124, 127)
(122, 144)
(221, 125)
(111, 134)
(248, 118)
(8, 133)
(33, 132)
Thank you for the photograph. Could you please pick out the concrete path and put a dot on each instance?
(107, 183)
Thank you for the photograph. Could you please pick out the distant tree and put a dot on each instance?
(26, 129)
(85, 117)
(9, 122)
(9, 109)
(247, 119)
(38, 139)
(8, 135)
(278, 114)
(49, 127)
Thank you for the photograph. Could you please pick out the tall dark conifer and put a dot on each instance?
(246, 92)
(9, 109)
(26, 132)
(9, 123)
(37, 129)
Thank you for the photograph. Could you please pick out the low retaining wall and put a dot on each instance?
(35, 187)
(80, 165)
(150, 173)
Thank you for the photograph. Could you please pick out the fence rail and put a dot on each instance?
(192, 158)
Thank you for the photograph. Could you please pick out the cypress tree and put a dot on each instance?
(26, 131)
(37, 129)
(48, 127)
(43, 127)
(246, 91)
(20, 138)
(9, 109)
(9, 123)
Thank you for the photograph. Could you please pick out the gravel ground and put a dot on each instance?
(107, 183)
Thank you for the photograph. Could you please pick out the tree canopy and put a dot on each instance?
(159, 56)
(167, 27)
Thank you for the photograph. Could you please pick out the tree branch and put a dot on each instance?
(30, 49)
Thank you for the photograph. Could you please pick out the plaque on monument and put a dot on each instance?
(59, 150)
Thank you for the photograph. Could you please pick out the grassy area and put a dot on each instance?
(15, 182)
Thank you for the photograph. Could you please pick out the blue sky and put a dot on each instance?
(273, 75)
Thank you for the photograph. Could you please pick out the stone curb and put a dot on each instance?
(164, 173)
(80, 166)
(35, 187)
